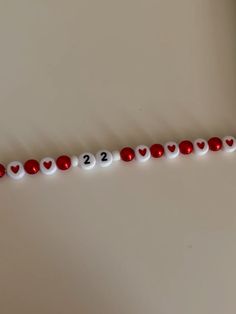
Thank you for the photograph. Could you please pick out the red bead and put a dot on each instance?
(63, 162)
(127, 154)
(31, 166)
(157, 150)
(215, 144)
(186, 147)
(2, 171)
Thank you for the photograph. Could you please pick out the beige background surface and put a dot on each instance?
(132, 239)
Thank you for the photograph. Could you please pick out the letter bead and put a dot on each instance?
(104, 158)
(87, 161)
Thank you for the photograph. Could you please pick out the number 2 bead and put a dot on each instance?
(87, 161)
(104, 158)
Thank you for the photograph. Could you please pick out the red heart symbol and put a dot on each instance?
(142, 151)
(171, 148)
(201, 145)
(47, 164)
(230, 142)
(15, 169)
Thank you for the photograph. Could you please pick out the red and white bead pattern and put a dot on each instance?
(104, 158)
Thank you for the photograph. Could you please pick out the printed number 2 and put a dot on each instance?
(104, 156)
(86, 160)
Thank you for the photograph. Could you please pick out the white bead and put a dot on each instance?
(104, 158)
(201, 147)
(116, 155)
(74, 161)
(48, 166)
(142, 153)
(87, 161)
(171, 150)
(229, 144)
(15, 170)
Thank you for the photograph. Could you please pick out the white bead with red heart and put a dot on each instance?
(48, 166)
(87, 161)
(104, 158)
(201, 147)
(229, 144)
(15, 170)
(142, 153)
(171, 150)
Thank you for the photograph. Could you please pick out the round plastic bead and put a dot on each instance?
(215, 144)
(142, 153)
(171, 150)
(74, 161)
(48, 166)
(186, 147)
(116, 155)
(229, 144)
(157, 150)
(104, 158)
(2, 171)
(15, 170)
(127, 154)
(87, 161)
(201, 147)
(31, 166)
(63, 162)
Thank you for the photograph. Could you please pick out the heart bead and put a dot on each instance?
(229, 144)
(15, 170)
(142, 153)
(171, 150)
(48, 166)
(201, 147)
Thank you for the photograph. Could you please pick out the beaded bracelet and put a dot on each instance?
(104, 158)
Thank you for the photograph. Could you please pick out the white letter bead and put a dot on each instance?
(201, 147)
(171, 150)
(229, 144)
(48, 166)
(87, 161)
(142, 153)
(74, 161)
(15, 170)
(104, 158)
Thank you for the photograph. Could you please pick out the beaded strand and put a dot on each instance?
(104, 158)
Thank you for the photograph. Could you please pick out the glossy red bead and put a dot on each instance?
(127, 154)
(186, 147)
(157, 150)
(32, 166)
(63, 162)
(215, 144)
(2, 171)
